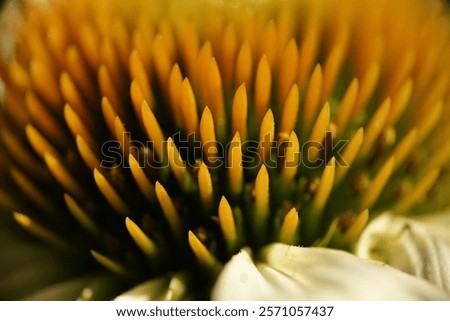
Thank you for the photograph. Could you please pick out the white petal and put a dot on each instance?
(154, 289)
(409, 246)
(438, 224)
(163, 288)
(241, 279)
(295, 273)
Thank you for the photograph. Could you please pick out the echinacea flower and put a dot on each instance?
(183, 149)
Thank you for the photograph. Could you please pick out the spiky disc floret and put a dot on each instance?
(174, 132)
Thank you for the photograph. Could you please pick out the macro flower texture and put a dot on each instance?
(225, 150)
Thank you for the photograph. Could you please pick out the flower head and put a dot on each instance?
(157, 138)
